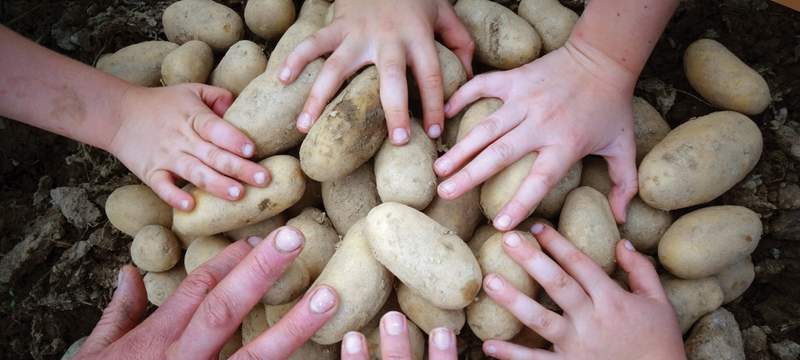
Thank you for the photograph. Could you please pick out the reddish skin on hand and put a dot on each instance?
(395, 343)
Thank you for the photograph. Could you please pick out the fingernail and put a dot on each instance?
(399, 136)
(628, 245)
(443, 165)
(503, 221)
(537, 228)
(234, 192)
(434, 131)
(393, 323)
(494, 283)
(254, 240)
(447, 187)
(304, 121)
(352, 343)
(260, 177)
(248, 150)
(512, 239)
(185, 204)
(446, 108)
(490, 349)
(287, 240)
(120, 277)
(285, 74)
(322, 300)
(441, 338)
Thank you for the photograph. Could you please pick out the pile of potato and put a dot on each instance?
(375, 229)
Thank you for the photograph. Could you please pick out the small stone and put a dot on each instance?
(715, 336)
(789, 197)
(755, 340)
(786, 350)
(786, 225)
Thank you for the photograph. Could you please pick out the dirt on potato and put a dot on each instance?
(59, 256)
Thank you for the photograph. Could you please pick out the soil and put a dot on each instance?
(60, 255)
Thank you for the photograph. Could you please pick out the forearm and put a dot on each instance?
(55, 93)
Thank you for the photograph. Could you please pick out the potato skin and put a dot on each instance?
(214, 24)
(312, 197)
(203, 249)
(424, 255)
(131, 207)
(350, 198)
(291, 285)
(479, 237)
(426, 315)
(503, 40)
(723, 79)
(649, 128)
(138, 64)
(189, 63)
(160, 285)
(155, 248)
(715, 336)
(242, 63)
(212, 215)
(349, 132)
(254, 324)
(321, 239)
(552, 21)
(699, 160)
(476, 113)
(551, 203)
(595, 174)
(704, 242)
(260, 229)
(404, 174)
(500, 188)
(644, 225)
(735, 279)
(460, 215)
(692, 299)
(586, 220)
(269, 19)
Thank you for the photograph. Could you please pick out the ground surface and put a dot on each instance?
(52, 189)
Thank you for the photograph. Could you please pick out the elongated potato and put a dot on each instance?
(363, 285)
(276, 312)
(312, 197)
(243, 62)
(189, 63)
(349, 132)
(595, 174)
(321, 239)
(269, 19)
(404, 174)
(160, 285)
(644, 225)
(503, 40)
(586, 220)
(425, 256)
(266, 110)
(138, 64)
(476, 113)
(692, 299)
(723, 79)
(649, 128)
(735, 279)
(551, 203)
(313, 351)
(552, 21)
(214, 24)
(291, 285)
(260, 229)
(350, 198)
(699, 160)
(254, 324)
(706, 241)
(415, 337)
(131, 207)
(479, 237)
(203, 249)
(460, 215)
(716, 336)
(213, 215)
(500, 188)
(155, 248)
(426, 315)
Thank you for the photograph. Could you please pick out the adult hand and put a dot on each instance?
(600, 319)
(395, 343)
(208, 307)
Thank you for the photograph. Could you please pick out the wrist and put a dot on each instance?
(119, 109)
(601, 65)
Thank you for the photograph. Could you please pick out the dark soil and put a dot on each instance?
(52, 189)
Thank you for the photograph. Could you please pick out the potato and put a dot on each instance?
(503, 40)
(73, 349)
(460, 215)
(453, 73)
(266, 110)
(242, 63)
(313, 351)
(155, 248)
(735, 279)
(692, 299)
(350, 130)
(426, 315)
(231, 346)
(649, 128)
(706, 241)
(260, 229)
(500, 188)
(321, 239)
(214, 24)
(723, 79)
(269, 19)
(363, 285)
(160, 285)
(415, 337)
(404, 174)
(350, 198)
(476, 113)
(479, 237)
(450, 134)
(699, 160)
(138, 64)
(254, 324)
(190, 63)
(586, 220)
(644, 225)
(551, 203)
(213, 215)
(203, 249)
(129, 208)
(715, 336)
(291, 285)
(276, 312)
(425, 256)
(595, 174)
(552, 21)
(312, 197)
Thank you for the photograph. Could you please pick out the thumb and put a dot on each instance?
(218, 99)
(622, 171)
(642, 276)
(120, 316)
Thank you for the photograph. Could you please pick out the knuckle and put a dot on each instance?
(547, 180)
(490, 126)
(199, 282)
(432, 80)
(293, 328)
(334, 64)
(395, 356)
(539, 321)
(561, 281)
(393, 69)
(263, 267)
(502, 151)
(246, 353)
(576, 257)
(217, 309)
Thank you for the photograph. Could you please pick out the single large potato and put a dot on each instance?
(404, 174)
(321, 239)
(131, 207)
(500, 188)
(706, 241)
(363, 285)
(189, 63)
(699, 160)
(551, 203)
(424, 255)
(243, 62)
(723, 79)
(155, 248)
(260, 229)
(736, 278)
(649, 128)
(644, 225)
(214, 24)
(460, 215)
(203, 249)
(349, 132)
(160, 285)
(692, 299)
(586, 220)
(476, 113)
(138, 64)
(269, 19)
(552, 21)
(350, 198)
(715, 336)
(213, 215)
(503, 40)
(426, 315)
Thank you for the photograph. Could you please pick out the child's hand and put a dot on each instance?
(176, 132)
(390, 34)
(570, 103)
(600, 320)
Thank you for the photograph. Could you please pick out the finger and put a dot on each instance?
(425, 65)
(394, 92)
(484, 85)
(121, 315)
(212, 128)
(442, 344)
(163, 183)
(354, 347)
(622, 171)
(206, 178)
(394, 336)
(549, 167)
(506, 350)
(455, 36)
(223, 310)
(321, 42)
(561, 287)
(294, 329)
(216, 98)
(231, 165)
(551, 326)
(642, 276)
